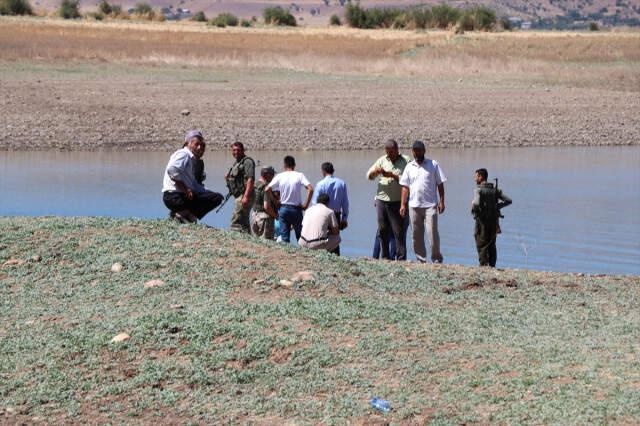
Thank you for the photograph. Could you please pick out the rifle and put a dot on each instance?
(226, 198)
(500, 216)
(498, 202)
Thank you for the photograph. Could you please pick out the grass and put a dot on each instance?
(444, 344)
(599, 59)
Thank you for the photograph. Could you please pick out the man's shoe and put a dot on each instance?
(180, 218)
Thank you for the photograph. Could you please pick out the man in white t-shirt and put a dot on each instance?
(422, 181)
(290, 184)
(320, 226)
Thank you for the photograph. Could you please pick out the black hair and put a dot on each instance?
(289, 162)
(391, 143)
(238, 144)
(483, 173)
(323, 198)
(327, 168)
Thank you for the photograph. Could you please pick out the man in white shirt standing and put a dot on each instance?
(422, 181)
(186, 198)
(290, 184)
(320, 226)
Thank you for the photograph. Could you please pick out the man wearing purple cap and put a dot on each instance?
(182, 192)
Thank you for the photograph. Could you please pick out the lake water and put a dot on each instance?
(575, 209)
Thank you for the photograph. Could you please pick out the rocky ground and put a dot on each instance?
(89, 107)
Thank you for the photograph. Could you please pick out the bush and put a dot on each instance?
(443, 16)
(335, 20)
(245, 23)
(420, 18)
(278, 16)
(199, 17)
(15, 7)
(116, 10)
(505, 24)
(69, 9)
(143, 9)
(224, 19)
(97, 16)
(105, 8)
(484, 18)
(355, 16)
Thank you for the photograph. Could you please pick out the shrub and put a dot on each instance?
(143, 9)
(420, 18)
(335, 20)
(105, 8)
(199, 17)
(400, 21)
(97, 16)
(355, 16)
(245, 23)
(505, 24)
(443, 16)
(484, 18)
(593, 26)
(116, 10)
(15, 7)
(224, 19)
(69, 9)
(278, 16)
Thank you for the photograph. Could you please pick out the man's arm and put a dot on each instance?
(309, 195)
(345, 207)
(375, 170)
(404, 196)
(441, 202)
(247, 193)
(505, 200)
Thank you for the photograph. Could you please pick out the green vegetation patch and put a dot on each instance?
(220, 340)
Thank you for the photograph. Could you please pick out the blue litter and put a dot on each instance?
(381, 404)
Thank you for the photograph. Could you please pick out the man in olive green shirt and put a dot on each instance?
(240, 181)
(388, 169)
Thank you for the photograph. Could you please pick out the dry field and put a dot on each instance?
(123, 85)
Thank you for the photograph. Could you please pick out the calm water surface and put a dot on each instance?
(575, 209)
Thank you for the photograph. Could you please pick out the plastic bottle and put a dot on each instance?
(381, 404)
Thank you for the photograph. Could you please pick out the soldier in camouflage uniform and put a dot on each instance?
(485, 207)
(240, 181)
(264, 206)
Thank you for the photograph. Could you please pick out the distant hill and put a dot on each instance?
(560, 14)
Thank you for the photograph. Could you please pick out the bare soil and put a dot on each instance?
(141, 87)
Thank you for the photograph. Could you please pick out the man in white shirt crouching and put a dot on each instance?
(320, 226)
(186, 198)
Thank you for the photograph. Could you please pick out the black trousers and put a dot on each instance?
(389, 219)
(485, 235)
(201, 204)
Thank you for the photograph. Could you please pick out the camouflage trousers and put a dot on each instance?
(240, 216)
(485, 235)
(262, 225)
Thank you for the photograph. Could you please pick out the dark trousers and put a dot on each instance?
(336, 251)
(485, 235)
(290, 216)
(390, 223)
(201, 204)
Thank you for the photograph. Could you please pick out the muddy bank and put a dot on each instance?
(150, 109)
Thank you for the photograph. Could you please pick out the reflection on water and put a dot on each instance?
(575, 209)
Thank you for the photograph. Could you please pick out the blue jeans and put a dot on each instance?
(290, 216)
